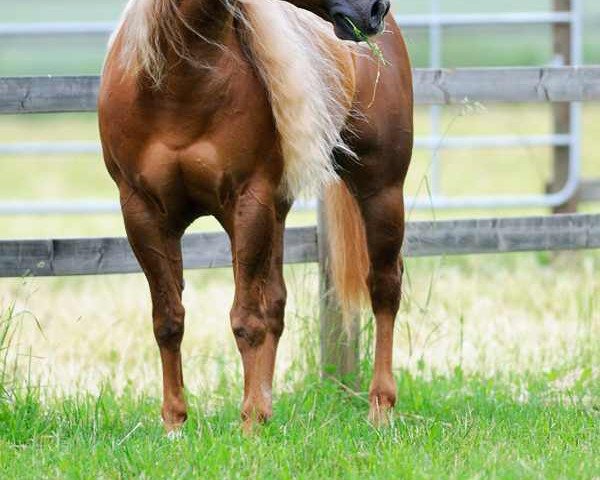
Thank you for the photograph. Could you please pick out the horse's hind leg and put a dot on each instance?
(383, 215)
(258, 308)
(158, 249)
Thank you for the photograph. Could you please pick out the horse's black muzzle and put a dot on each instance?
(352, 20)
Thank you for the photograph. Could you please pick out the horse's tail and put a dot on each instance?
(349, 258)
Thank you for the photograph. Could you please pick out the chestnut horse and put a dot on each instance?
(230, 109)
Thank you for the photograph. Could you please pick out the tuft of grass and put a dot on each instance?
(375, 49)
(9, 356)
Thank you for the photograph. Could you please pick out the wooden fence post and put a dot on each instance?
(340, 352)
(561, 112)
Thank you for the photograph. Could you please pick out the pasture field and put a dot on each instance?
(496, 360)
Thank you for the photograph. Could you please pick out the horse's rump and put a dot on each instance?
(307, 72)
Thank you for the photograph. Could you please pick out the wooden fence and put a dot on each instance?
(432, 87)
(101, 256)
(91, 256)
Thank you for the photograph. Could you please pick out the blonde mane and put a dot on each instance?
(307, 72)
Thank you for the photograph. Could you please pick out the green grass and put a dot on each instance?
(451, 428)
(456, 427)
(446, 425)
(473, 402)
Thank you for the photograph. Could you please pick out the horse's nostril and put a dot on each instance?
(378, 12)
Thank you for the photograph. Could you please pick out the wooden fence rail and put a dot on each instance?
(447, 86)
(97, 256)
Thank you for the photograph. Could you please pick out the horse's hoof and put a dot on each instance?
(251, 423)
(249, 427)
(380, 416)
(175, 434)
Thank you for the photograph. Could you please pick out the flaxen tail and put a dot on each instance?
(349, 258)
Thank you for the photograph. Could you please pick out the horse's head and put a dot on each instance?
(351, 18)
